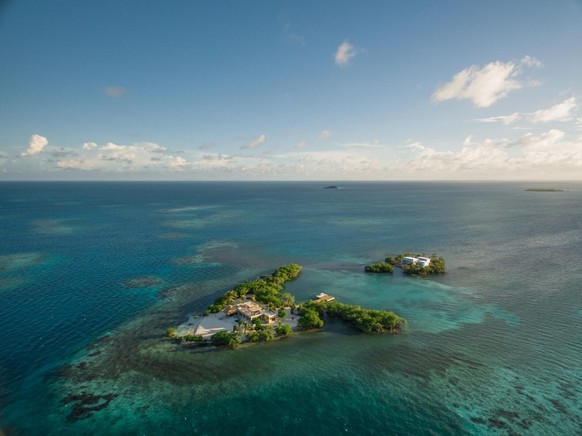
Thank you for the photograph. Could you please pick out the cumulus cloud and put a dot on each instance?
(468, 140)
(256, 143)
(333, 164)
(324, 134)
(35, 145)
(112, 158)
(177, 163)
(115, 91)
(89, 146)
(559, 112)
(344, 54)
(75, 164)
(552, 154)
(301, 144)
(484, 86)
(530, 61)
(547, 155)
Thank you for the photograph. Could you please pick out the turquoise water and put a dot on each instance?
(492, 347)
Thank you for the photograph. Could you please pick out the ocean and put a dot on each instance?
(492, 347)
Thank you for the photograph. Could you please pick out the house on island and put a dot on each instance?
(408, 260)
(230, 310)
(269, 317)
(323, 297)
(249, 310)
(422, 262)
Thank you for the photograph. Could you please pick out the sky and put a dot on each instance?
(290, 90)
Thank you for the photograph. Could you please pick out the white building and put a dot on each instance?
(409, 260)
(249, 310)
(423, 262)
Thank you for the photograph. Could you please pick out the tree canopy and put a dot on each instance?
(309, 319)
(267, 289)
(380, 267)
(366, 320)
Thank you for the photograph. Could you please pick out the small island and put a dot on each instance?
(411, 264)
(330, 187)
(380, 267)
(259, 311)
(544, 190)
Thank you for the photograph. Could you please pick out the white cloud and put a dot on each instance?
(486, 85)
(345, 53)
(324, 134)
(75, 164)
(255, 143)
(549, 155)
(89, 146)
(468, 140)
(301, 144)
(115, 91)
(530, 61)
(504, 119)
(115, 158)
(334, 164)
(35, 145)
(559, 112)
(177, 163)
(552, 154)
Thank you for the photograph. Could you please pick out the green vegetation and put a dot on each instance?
(283, 329)
(437, 264)
(309, 318)
(366, 320)
(225, 338)
(172, 333)
(262, 333)
(267, 289)
(380, 267)
(267, 334)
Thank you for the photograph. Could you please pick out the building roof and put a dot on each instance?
(229, 310)
(249, 309)
(324, 297)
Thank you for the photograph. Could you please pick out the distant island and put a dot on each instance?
(330, 187)
(259, 311)
(544, 190)
(412, 264)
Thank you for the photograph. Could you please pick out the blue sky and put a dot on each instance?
(300, 90)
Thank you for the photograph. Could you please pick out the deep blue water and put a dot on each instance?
(492, 347)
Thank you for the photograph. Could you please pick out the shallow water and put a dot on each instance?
(492, 347)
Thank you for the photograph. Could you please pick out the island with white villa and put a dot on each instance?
(411, 264)
(260, 311)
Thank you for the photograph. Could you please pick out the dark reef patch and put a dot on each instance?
(142, 282)
(86, 404)
(559, 406)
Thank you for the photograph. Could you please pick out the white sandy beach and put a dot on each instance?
(206, 326)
